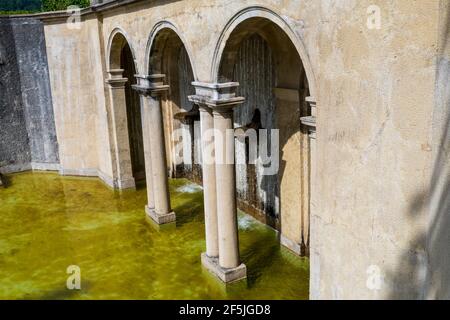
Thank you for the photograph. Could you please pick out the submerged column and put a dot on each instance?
(221, 99)
(209, 181)
(143, 89)
(155, 88)
(122, 170)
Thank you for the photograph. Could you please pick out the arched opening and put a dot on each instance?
(262, 58)
(122, 59)
(169, 56)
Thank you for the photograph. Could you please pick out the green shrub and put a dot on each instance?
(55, 5)
(31, 6)
(20, 5)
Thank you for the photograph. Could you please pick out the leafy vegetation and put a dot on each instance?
(55, 5)
(33, 6)
(20, 5)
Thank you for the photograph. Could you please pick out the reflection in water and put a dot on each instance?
(48, 222)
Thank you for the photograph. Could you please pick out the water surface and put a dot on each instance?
(49, 222)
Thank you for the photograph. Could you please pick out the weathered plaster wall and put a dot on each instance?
(437, 199)
(374, 142)
(28, 127)
(379, 121)
(77, 82)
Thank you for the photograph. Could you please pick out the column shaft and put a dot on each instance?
(158, 156)
(209, 181)
(122, 171)
(146, 121)
(226, 192)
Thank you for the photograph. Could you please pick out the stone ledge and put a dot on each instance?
(226, 275)
(13, 168)
(309, 121)
(63, 14)
(43, 166)
(160, 219)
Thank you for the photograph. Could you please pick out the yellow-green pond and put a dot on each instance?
(49, 222)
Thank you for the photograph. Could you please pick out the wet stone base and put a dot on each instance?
(160, 219)
(226, 275)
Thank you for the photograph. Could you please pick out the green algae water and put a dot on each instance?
(49, 222)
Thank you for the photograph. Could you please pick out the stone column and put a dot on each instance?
(220, 99)
(122, 170)
(209, 176)
(226, 190)
(186, 120)
(209, 179)
(155, 88)
(144, 91)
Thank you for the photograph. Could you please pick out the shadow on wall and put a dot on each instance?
(425, 268)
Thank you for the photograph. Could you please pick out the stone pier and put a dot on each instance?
(217, 101)
(122, 173)
(153, 87)
(143, 90)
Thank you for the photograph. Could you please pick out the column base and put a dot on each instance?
(125, 184)
(158, 218)
(226, 275)
(149, 211)
(291, 245)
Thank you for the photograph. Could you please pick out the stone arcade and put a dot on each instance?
(362, 113)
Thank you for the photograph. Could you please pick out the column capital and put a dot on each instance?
(310, 121)
(150, 85)
(116, 79)
(311, 101)
(220, 97)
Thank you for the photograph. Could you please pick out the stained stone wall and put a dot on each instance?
(28, 136)
(255, 73)
(14, 144)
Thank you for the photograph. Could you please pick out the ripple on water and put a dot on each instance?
(48, 222)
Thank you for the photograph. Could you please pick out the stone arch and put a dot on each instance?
(118, 39)
(259, 42)
(154, 52)
(168, 53)
(256, 13)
